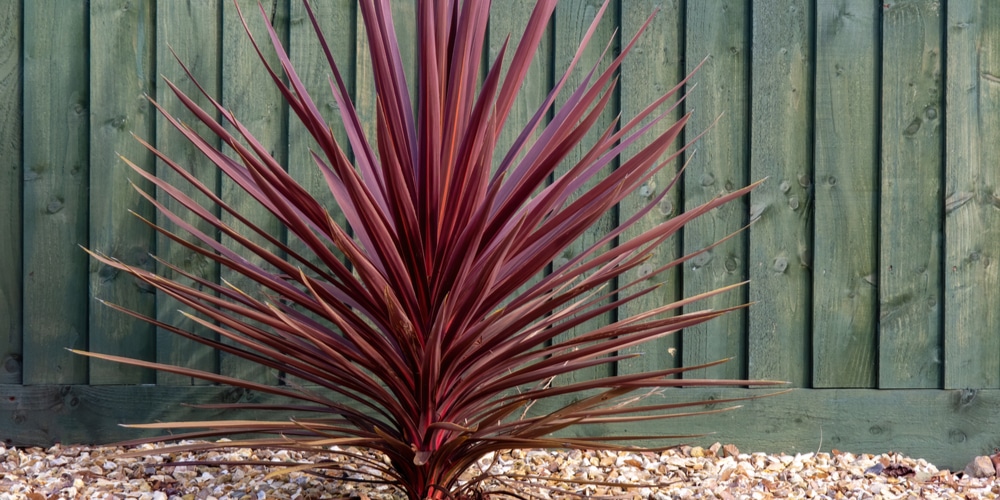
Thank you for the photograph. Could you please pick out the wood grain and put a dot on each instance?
(653, 67)
(10, 193)
(404, 14)
(192, 30)
(510, 20)
(249, 91)
(55, 191)
(845, 281)
(942, 426)
(910, 349)
(572, 20)
(719, 31)
(122, 69)
(338, 22)
(972, 191)
(780, 241)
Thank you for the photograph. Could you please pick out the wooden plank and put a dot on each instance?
(846, 162)
(780, 241)
(538, 81)
(972, 218)
(654, 66)
(404, 16)
(55, 187)
(10, 193)
(249, 92)
(572, 20)
(943, 427)
(122, 69)
(192, 29)
(48, 414)
(511, 20)
(910, 239)
(719, 31)
(337, 20)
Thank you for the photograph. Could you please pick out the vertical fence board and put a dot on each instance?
(846, 163)
(259, 106)
(10, 193)
(404, 16)
(653, 67)
(910, 238)
(337, 20)
(510, 19)
(780, 241)
(56, 298)
(191, 29)
(572, 20)
(972, 205)
(121, 71)
(719, 31)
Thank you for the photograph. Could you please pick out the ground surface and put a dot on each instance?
(716, 472)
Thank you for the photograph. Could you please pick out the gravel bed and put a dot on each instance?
(75, 472)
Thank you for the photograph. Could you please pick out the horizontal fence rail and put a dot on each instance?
(873, 257)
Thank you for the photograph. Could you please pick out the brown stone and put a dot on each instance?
(980, 466)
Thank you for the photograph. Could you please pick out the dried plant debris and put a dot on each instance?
(74, 472)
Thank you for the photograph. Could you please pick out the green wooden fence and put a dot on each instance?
(873, 259)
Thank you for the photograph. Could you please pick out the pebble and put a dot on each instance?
(721, 472)
(980, 466)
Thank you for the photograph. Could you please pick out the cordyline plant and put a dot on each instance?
(431, 332)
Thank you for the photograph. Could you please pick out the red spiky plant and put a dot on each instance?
(431, 340)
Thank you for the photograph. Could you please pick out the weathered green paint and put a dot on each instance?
(123, 43)
(404, 14)
(972, 190)
(510, 21)
(910, 349)
(55, 191)
(845, 281)
(259, 107)
(191, 29)
(337, 22)
(718, 31)
(781, 117)
(11, 174)
(655, 68)
(816, 323)
(572, 20)
(945, 427)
